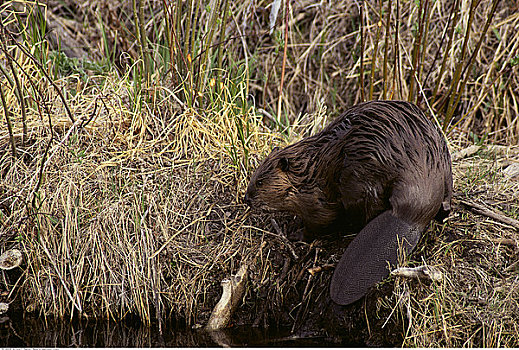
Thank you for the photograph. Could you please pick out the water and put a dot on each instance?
(35, 332)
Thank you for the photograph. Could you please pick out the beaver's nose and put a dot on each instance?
(247, 199)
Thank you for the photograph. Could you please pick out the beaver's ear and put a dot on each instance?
(283, 164)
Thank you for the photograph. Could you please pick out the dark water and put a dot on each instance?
(35, 332)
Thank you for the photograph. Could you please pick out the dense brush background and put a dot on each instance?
(128, 130)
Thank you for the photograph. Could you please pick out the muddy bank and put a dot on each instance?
(288, 288)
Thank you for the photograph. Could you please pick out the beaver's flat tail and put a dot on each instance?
(367, 259)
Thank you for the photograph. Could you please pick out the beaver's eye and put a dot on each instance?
(259, 183)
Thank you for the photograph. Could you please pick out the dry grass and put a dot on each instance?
(326, 57)
(466, 71)
(136, 213)
(131, 203)
(477, 303)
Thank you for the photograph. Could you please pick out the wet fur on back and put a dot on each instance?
(349, 171)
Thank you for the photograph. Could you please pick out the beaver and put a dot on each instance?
(381, 166)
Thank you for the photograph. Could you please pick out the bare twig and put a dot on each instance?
(42, 69)
(8, 120)
(479, 209)
(283, 66)
(386, 49)
(19, 89)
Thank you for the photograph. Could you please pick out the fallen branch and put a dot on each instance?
(233, 289)
(479, 209)
(426, 272)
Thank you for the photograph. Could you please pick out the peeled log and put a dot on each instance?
(233, 290)
(426, 272)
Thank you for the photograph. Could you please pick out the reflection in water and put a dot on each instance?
(35, 332)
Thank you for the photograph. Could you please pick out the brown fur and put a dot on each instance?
(376, 156)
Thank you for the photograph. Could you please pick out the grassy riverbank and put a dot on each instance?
(127, 135)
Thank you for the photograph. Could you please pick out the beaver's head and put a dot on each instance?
(270, 186)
